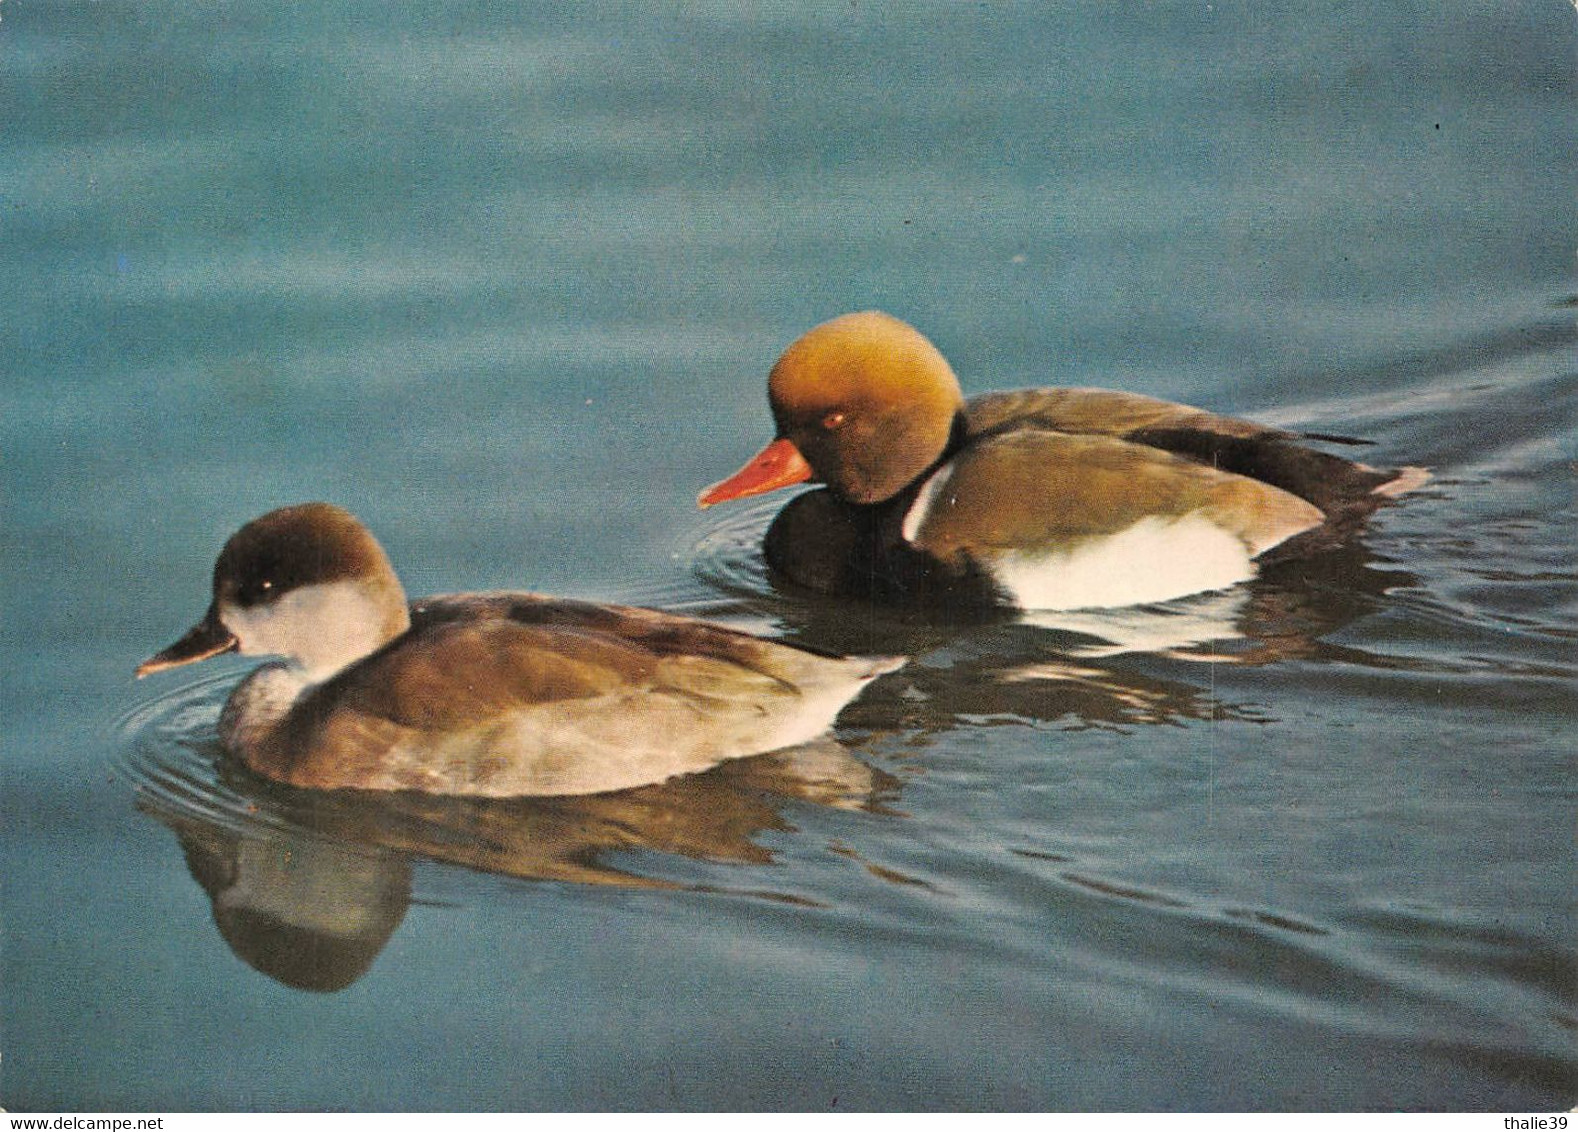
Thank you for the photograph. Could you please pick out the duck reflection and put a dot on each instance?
(309, 913)
(310, 887)
(1105, 667)
(1295, 605)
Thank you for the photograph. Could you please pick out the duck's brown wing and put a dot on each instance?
(652, 634)
(1028, 489)
(1105, 412)
(455, 673)
(507, 694)
(1270, 455)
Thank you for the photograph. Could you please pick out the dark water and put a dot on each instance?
(507, 285)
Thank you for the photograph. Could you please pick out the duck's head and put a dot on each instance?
(308, 583)
(864, 404)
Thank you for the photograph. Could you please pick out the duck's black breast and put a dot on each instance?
(826, 545)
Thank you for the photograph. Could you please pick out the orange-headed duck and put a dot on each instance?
(1038, 498)
(492, 694)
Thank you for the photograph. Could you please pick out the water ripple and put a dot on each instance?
(169, 750)
(725, 551)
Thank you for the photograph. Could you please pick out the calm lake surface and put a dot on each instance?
(507, 283)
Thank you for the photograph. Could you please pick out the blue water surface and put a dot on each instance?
(506, 280)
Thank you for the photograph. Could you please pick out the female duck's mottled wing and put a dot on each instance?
(477, 700)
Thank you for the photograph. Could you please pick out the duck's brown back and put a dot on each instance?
(1344, 490)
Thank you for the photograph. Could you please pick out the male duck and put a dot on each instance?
(1038, 498)
(496, 694)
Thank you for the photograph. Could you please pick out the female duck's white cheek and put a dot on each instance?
(323, 627)
(257, 629)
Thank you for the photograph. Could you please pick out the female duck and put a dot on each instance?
(496, 694)
(1040, 498)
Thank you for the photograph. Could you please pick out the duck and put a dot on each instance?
(1040, 499)
(495, 694)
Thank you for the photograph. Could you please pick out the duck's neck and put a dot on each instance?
(900, 501)
(957, 435)
(355, 622)
(257, 707)
(349, 620)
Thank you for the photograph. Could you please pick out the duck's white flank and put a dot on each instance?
(1154, 560)
(822, 700)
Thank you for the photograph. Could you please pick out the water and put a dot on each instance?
(507, 285)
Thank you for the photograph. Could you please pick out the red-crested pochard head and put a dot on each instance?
(864, 404)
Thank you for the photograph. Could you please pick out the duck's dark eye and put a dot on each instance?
(256, 593)
(833, 420)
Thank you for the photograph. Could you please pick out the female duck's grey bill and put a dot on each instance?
(207, 638)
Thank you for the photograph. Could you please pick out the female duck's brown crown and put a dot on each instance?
(307, 544)
(868, 401)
